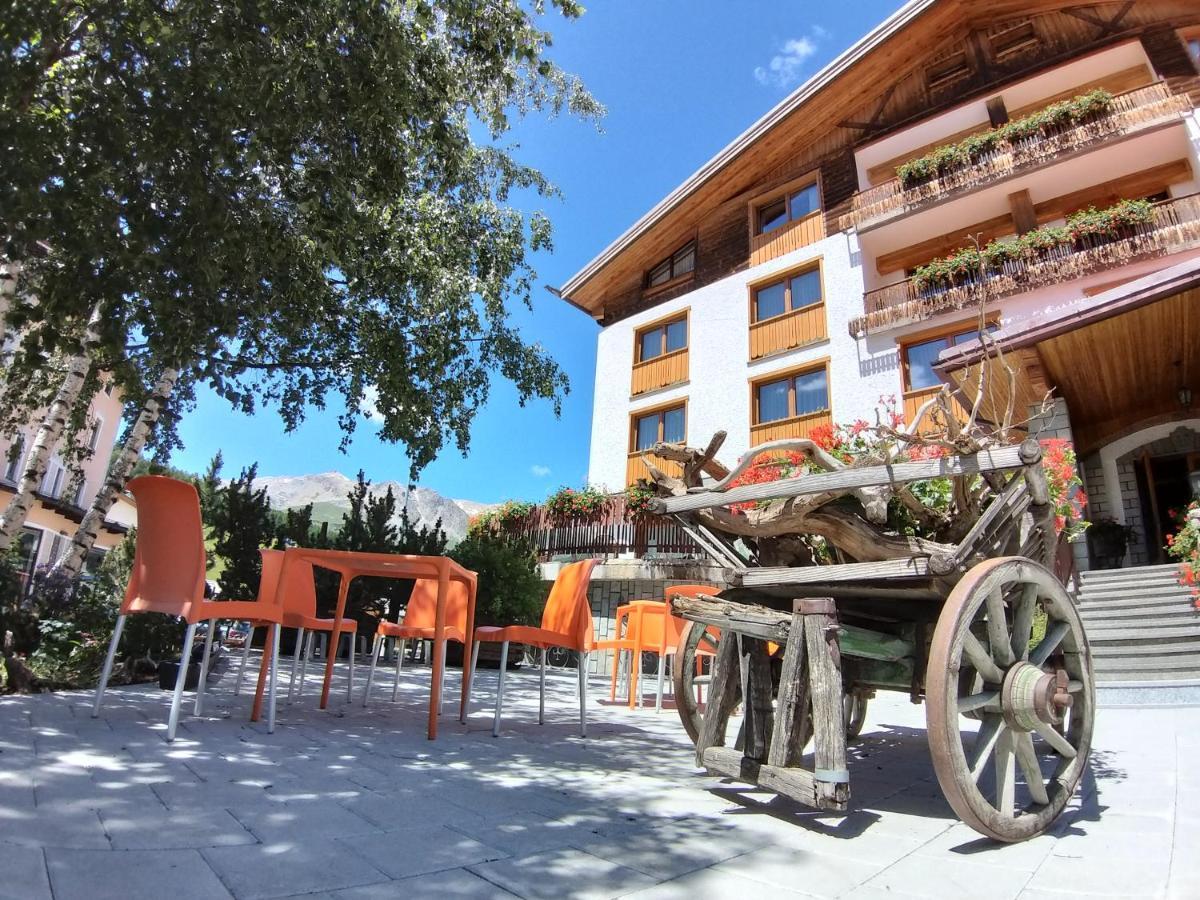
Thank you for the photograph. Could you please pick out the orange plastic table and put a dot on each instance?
(351, 564)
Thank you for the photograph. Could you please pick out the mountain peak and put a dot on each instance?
(327, 491)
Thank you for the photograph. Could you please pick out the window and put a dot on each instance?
(29, 544)
(660, 339)
(94, 434)
(681, 262)
(789, 208)
(1193, 45)
(792, 293)
(661, 425)
(79, 493)
(948, 71)
(799, 394)
(12, 464)
(52, 481)
(1012, 38)
(919, 357)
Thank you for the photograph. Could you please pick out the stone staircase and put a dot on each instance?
(1144, 631)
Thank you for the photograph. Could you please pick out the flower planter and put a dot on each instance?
(1107, 542)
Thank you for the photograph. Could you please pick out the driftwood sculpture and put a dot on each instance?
(854, 521)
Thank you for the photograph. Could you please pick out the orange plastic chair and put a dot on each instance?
(300, 612)
(168, 577)
(420, 617)
(624, 627)
(566, 622)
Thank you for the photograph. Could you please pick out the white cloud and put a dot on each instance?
(539, 471)
(370, 404)
(785, 67)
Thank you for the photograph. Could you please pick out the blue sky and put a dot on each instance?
(680, 80)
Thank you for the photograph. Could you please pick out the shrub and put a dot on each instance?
(1184, 545)
(637, 500)
(510, 588)
(569, 502)
(1064, 113)
(1104, 224)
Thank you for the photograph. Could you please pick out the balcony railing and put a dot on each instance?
(612, 531)
(1129, 113)
(652, 374)
(791, 329)
(1174, 227)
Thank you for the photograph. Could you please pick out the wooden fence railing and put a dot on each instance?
(1175, 227)
(611, 532)
(1130, 112)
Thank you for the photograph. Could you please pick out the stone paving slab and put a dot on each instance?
(355, 803)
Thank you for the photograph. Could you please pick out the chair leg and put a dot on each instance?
(208, 639)
(376, 652)
(180, 679)
(442, 680)
(583, 659)
(304, 658)
(399, 664)
(350, 686)
(295, 662)
(616, 671)
(470, 676)
(237, 687)
(542, 691)
(106, 672)
(662, 659)
(500, 689)
(274, 673)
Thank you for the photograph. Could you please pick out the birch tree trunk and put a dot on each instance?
(118, 473)
(49, 432)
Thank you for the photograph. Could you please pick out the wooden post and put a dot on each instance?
(758, 698)
(787, 743)
(722, 694)
(825, 677)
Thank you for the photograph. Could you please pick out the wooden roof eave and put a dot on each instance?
(781, 111)
(1088, 310)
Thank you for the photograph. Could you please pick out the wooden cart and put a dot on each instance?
(986, 635)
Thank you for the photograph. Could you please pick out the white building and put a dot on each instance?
(771, 292)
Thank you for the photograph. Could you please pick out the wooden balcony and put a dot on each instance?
(1132, 112)
(795, 427)
(915, 399)
(669, 368)
(787, 238)
(785, 332)
(1174, 228)
(635, 467)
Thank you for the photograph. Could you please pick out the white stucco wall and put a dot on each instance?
(717, 392)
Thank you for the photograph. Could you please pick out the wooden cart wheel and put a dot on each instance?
(854, 713)
(1035, 708)
(696, 641)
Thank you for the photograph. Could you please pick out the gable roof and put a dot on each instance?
(825, 77)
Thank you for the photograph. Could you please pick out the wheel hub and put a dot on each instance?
(1030, 697)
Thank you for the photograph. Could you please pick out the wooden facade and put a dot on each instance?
(966, 54)
(661, 371)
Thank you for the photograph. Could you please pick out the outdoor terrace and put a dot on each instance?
(1173, 227)
(356, 803)
(1129, 114)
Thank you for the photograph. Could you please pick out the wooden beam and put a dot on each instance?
(1023, 216)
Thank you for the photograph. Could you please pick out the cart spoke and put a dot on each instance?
(997, 628)
(1005, 773)
(977, 701)
(1054, 636)
(981, 660)
(1023, 621)
(1027, 757)
(1056, 740)
(985, 743)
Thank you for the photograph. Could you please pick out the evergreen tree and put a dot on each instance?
(208, 486)
(243, 523)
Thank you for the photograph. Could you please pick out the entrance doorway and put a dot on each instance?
(1164, 487)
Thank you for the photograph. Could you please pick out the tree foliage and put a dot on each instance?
(242, 523)
(294, 203)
